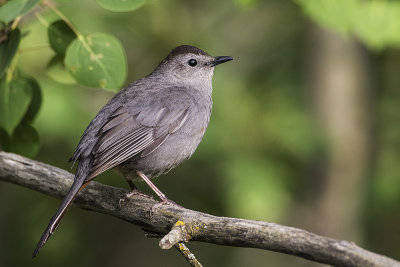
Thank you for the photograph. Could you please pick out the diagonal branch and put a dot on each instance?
(197, 226)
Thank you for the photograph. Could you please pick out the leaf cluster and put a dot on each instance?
(96, 60)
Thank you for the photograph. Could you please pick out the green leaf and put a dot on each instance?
(97, 60)
(60, 36)
(29, 5)
(36, 101)
(8, 49)
(15, 96)
(120, 5)
(337, 14)
(57, 71)
(376, 23)
(11, 9)
(24, 141)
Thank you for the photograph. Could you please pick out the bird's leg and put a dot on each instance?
(152, 186)
(131, 184)
(164, 199)
(134, 191)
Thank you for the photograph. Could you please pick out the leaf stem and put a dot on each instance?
(11, 68)
(49, 4)
(42, 19)
(15, 22)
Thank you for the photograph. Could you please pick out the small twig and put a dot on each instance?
(173, 239)
(189, 256)
(179, 233)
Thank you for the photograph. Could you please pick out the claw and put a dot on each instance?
(124, 197)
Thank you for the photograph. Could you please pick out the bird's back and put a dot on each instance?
(170, 122)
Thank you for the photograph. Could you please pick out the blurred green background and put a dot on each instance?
(305, 129)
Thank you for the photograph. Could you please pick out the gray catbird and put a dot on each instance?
(148, 128)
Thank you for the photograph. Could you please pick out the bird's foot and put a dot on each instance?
(133, 192)
(164, 201)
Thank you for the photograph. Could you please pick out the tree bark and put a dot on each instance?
(193, 225)
(340, 82)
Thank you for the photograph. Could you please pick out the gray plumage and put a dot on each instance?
(150, 126)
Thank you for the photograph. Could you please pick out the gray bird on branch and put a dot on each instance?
(148, 128)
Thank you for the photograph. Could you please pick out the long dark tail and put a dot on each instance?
(79, 183)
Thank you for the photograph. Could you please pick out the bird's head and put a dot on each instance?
(190, 66)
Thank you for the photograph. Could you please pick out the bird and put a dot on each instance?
(147, 128)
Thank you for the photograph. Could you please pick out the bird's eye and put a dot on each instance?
(192, 62)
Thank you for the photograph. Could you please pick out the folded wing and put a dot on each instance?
(128, 133)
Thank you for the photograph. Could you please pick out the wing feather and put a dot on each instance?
(126, 134)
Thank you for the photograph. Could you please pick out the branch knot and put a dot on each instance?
(180, 232)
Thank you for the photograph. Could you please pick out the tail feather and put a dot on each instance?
(56, 219)
(79, 183)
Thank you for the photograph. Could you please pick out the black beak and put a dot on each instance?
(219, 60)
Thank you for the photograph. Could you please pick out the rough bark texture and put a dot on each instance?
(198, 226)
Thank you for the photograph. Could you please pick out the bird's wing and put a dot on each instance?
(128, 132)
